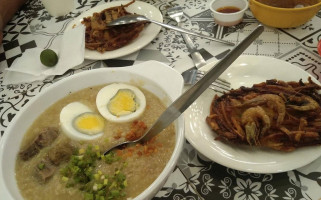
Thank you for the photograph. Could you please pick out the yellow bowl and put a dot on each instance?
(283, 17)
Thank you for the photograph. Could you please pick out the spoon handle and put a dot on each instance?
(187, 98)
(182, 30)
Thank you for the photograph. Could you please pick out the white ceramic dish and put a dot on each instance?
(144, 38)
(246, 71)
(148, 75)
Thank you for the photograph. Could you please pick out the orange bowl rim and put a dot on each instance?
(286, 9)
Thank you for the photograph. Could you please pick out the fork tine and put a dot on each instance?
(175, 13)
(215, 89)
(219, 81)
(224, 82)
(202, 73)
(218, 85)
(174, 10)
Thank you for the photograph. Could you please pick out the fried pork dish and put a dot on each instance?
(274, 114)
(102, 38)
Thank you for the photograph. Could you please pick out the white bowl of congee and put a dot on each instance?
(54, 147)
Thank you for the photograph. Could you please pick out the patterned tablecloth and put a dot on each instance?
(195, 177)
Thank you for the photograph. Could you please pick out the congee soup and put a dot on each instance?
(61, 154)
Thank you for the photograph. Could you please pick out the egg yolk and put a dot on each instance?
(89, 123)
(123, 103)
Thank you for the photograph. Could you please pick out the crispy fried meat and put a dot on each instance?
(102, 38)
(275, 114)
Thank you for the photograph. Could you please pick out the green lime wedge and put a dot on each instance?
(48, 58)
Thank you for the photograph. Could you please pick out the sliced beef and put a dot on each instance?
(46, 171)
(60, 152)
(47, 137)
(29, 152)
(44, 139)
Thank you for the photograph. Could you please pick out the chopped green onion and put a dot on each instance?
(96, 176)
(64, 179)
(89, 196)
(81, 172)
(81, 151)
(41, 166)
(95, 187)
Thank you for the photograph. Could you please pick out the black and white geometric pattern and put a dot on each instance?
(16, 49)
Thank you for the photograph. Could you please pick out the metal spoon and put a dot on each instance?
(190, 95)
(129, 19)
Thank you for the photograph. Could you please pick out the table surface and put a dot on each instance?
(194, 177)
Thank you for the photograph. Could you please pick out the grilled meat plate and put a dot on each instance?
(274, 114)
(102, 38)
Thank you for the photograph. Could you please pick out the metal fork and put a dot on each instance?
(192, 75)
(219, 85)
(189, 76)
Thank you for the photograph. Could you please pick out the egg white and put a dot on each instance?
(68, 114)
(107, 93)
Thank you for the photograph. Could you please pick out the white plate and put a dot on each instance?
(245, 71)
(144, 38)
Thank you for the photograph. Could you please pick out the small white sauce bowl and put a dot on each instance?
(228, 19)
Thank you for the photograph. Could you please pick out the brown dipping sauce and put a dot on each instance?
(228, 9)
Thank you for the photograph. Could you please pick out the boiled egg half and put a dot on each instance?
(120, 102)
(79, 122)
